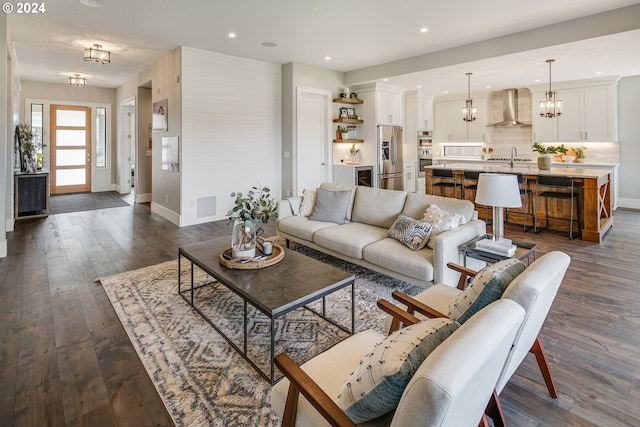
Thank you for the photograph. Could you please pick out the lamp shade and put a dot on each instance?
(499, 190)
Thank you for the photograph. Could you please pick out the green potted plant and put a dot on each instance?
(580, 153)
(248, 211)
(344, 132)
(545, 152)
(29, 144)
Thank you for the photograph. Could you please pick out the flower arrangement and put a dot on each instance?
(485, 152)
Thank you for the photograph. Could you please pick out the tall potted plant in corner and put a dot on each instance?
(28, 147)
(248, 211)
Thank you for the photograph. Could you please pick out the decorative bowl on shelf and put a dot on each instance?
(569, 159)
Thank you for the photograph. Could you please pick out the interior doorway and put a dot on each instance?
(70, 139)
(313, 150)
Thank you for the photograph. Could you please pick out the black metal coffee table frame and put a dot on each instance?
(252, 287)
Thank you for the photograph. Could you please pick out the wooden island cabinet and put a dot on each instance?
(593, 185)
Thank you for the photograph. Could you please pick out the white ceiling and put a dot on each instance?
(354, 33)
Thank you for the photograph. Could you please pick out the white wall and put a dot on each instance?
(629, 137)
(294, 75)
(5, 145)
(230, 132)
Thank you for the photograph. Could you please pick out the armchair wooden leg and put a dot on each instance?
(484, 422)
(541, 357)
(494, 410)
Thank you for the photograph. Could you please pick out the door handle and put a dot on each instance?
(322, 164)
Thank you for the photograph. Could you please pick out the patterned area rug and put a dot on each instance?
(200, 377)
(77, 202)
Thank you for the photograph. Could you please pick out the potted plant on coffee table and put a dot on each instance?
(249, 210)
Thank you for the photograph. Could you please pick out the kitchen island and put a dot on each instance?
(594, 186)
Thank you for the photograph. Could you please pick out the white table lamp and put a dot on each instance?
(499, 191)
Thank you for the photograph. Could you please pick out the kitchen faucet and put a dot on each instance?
(514, 153)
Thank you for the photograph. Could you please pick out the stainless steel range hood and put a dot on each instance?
(510, 110)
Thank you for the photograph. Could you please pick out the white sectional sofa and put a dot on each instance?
(363, 238)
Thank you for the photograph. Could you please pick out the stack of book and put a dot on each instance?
(502, 247)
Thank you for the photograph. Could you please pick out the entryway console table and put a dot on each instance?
(596, 208)
(31, 191)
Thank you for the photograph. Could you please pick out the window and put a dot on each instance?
(36, 126)
(101, 137)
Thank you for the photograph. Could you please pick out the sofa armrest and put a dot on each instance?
(284, 209)
(447, 249)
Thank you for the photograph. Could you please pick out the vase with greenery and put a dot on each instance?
(353, 153)
(545, 152)
(344, 132)
(580, 153)
(29, 144)
(250, 209)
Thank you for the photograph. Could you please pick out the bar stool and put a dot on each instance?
(446, 180)
(473, 177)
(560, 184)
(527, 202)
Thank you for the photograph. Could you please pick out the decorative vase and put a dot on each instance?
(243, 239)
(345, 136)
(544, 162)
(31, 163)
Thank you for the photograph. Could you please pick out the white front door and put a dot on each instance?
(313, 150)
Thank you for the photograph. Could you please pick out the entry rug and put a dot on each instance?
(199, 376)
(77, 202)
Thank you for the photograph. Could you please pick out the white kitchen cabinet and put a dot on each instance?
(588, 114)
(389, 108)
(449, 126)
(425, 113)
(410, 177)
(422, 186)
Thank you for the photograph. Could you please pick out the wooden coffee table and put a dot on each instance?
(276, 290)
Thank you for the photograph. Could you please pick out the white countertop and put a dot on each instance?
(533, 161)
(526, 170)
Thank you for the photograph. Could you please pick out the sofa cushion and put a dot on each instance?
(307, 203)
(331, 186)
(442, 221)
(331, 206)
(393, 255)
(418, 203)
(412, 233)
(486, 287)
(349, 239)
(377, 207)
(378, 381)
(302, 227)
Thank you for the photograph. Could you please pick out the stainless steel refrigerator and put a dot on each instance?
(390, 158)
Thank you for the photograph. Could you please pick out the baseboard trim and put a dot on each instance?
(143, 198)
(10, 225)
(3, 249)
(165, 213)
(628, 203)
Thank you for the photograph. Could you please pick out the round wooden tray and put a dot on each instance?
(250, 263)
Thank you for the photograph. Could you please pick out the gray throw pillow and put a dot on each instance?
(331, 206)
(413, 233)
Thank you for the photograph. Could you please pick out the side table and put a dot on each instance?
(525, 250)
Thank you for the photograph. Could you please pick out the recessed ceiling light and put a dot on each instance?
(537, 80)
(424, 30)
(446, 91)
(231, 35)
(598, 72)
(419, 86)
(385, 80)
(327, 58)
(92, 3)
(269, 44)
(487, 87)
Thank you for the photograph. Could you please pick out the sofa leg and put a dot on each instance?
(288, 243)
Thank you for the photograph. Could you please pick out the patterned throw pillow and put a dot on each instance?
(413, 233)
(442, 221)
(377, 384)
(308, 202)
(486, 287)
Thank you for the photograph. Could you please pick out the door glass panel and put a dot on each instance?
(101, 137)
(70, 157)
(71, 118)
(70, 138)
(70, 177)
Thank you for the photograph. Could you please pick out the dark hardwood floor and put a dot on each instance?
(66, 360)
